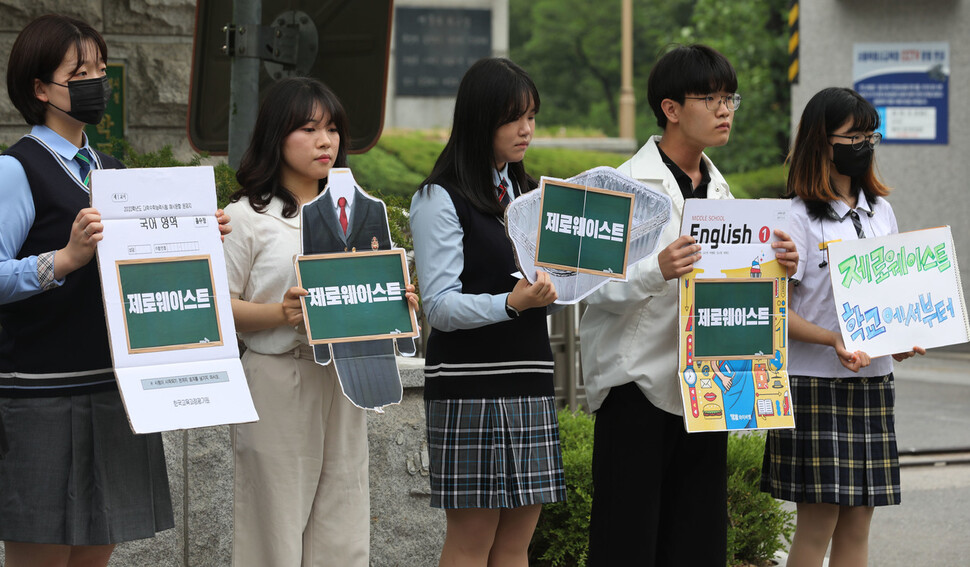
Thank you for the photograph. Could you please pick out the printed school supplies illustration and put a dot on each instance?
(899, 291)
(163, 274)
(733, 321)
(587, 230)
(356, 312)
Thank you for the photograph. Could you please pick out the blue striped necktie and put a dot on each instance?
(83, 159)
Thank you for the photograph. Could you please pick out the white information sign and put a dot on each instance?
(163, 274)
(899, 291)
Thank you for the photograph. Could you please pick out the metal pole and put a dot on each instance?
(569, 344)
(627, 99)
(244, 81)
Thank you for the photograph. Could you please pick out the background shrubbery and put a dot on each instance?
(756, 521)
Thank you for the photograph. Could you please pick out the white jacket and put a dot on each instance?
(629, 330)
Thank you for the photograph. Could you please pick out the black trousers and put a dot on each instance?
(659, 494)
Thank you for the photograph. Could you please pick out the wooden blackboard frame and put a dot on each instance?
(699, 340)
(321, 327)
(549, 189)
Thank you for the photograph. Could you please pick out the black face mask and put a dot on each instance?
(854, 163)
(89, 98)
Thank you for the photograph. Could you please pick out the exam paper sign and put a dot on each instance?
(166, 295)
(898, 291)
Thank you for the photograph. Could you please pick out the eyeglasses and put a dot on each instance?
(713, 102)
(857, 140)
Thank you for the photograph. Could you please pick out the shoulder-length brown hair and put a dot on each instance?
(810, 168)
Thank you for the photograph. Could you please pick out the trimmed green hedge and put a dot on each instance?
(756, 521)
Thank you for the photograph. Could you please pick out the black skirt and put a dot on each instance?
(843, 448)
(75, 474)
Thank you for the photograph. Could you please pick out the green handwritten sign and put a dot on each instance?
(356, 296)
(584, 229)
(733, 318)
(169, 303)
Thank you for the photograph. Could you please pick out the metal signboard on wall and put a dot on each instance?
(435, 46)
(909, 84)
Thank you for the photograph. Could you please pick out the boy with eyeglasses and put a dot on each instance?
(659, 494)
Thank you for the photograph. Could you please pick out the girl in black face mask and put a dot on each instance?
(840, 461)
(74, 479)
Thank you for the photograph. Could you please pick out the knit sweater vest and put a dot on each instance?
(506, 359)
(55, 343)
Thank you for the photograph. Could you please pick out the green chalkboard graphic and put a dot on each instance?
(355, 296)
(169, 303)
(733, 318)
(584, 229)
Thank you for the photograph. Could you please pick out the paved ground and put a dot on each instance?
(932, 414)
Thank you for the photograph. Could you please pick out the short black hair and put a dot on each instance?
(38, 51)
(691, 69)
(289, 104)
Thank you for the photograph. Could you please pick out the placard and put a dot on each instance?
(356, 296)
(584, 229)
(733, 318)
(166, 294)
(898, 291)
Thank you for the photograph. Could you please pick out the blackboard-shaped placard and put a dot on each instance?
(584, 229)
(355, 296)
(169, 303)
(733, 318)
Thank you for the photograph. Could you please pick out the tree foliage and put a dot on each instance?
(572, 50)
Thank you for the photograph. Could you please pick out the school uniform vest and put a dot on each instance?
(55, 343)
(507, 359)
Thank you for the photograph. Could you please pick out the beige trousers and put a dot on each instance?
(301, 492)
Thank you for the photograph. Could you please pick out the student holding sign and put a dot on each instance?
(840, 461)
(74, 479)
(493, 434)
(657, 490)
(301, 494)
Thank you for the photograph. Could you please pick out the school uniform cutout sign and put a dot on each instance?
(898, 291)
(166, 294)
(733, 318)
(587, 230)
(348, 273)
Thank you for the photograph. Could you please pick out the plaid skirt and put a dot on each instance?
(494, 453)
(843, 448)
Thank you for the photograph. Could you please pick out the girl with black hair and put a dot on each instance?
(492, 429)
(301, 494)
(74, 479)
(840, 461)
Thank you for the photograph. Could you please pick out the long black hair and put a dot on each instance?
(289, 104)
(493, 92)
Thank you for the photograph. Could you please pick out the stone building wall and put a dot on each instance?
(153, 38)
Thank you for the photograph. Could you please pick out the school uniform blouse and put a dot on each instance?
(259, 264)
(812, 296)
(20, 279)
(439, 255)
